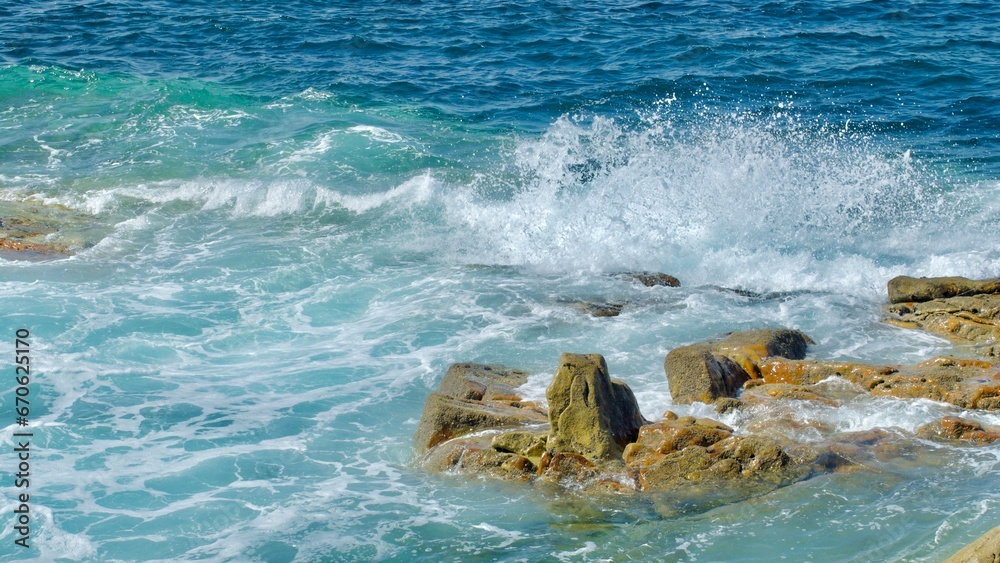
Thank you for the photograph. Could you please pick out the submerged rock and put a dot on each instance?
(600, 309)
(652, 279)
(707, 371)
(31, 230)
(906, 289)
(589, 413)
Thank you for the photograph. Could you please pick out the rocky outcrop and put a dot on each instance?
(972, 320)
(986, 549)
(474, 397)
(707, 371)
(969, 384)
(904, 289)
(589, 413)
(687, 453)
(962, 310)
(596, 439)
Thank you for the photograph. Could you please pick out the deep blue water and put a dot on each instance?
(291, 219)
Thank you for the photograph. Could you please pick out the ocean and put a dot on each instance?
(288, 219)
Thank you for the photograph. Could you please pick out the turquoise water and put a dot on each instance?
(292, 220)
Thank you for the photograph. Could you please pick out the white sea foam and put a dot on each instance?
(733, 203)
(376, 133)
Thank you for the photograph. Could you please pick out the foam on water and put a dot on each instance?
(236, 367)
(768, 204)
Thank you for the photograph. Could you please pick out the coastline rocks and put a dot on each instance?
(596, 440)
(686, 452)
(707, 371)
(969, 384)
(906, 289)
(474, 397)
(971, 320)
(986, 549)
(589, 413)
(962, 310)
(695, 373)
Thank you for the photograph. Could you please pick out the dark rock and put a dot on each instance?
(600, 309)
(906, 289)
(589, 413)
(653, 279)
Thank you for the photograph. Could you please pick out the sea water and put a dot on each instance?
(290, 220)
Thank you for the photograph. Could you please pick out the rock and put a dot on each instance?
(956, 429)
(600, 309)
(37, 231)
(696, 374)
(986, 549)
(971, 320)
(674, 434)
(784, 392)
(446, 417)
(562, 467)
(480, 381)
(969, 384)
(589, 413)
(474, 456)
(687, 453)
(525, 443)
(707, 371)
(765, 343)
(906, 289)
(474, 397)
(653, 279)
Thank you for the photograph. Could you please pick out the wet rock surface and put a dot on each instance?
(589, 413)
(707, 371)
(971, 320)
(474, 397)
(906, 289)
(952, 429)
(969, 384)
(962, 310)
